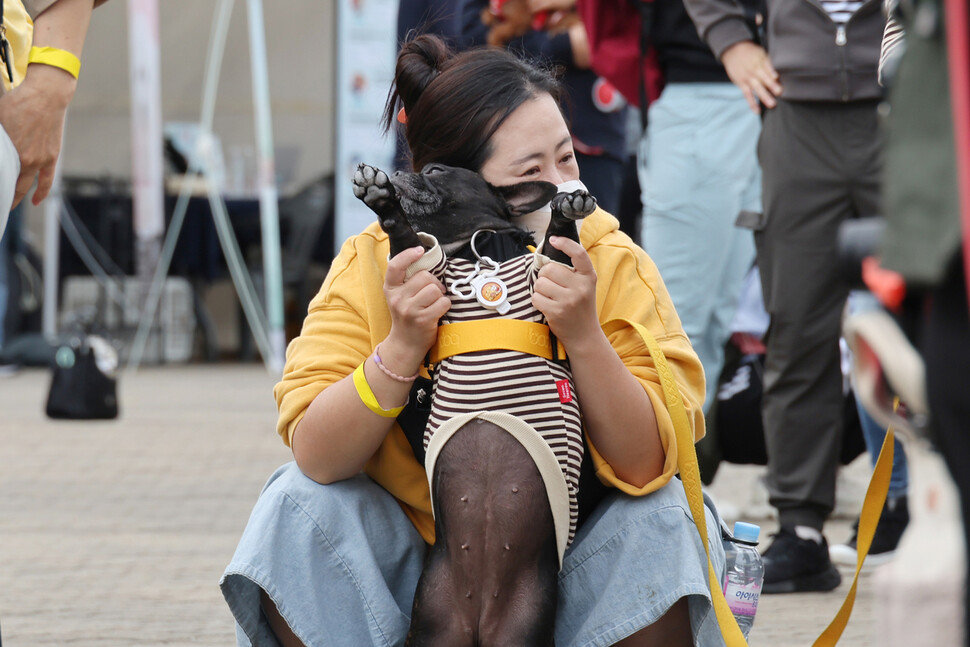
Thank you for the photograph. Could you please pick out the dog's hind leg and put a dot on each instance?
(374, 188)
(567, 208)
(434, 619)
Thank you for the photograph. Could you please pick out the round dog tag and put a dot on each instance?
(491, 293)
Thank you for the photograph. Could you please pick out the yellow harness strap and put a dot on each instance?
(690, 476)
(494, 334)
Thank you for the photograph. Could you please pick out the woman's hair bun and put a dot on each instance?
(418, 63)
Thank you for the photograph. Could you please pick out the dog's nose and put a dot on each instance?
(397, 173)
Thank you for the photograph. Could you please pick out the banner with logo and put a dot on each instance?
(366, 49)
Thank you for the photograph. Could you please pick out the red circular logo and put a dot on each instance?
(606, 97)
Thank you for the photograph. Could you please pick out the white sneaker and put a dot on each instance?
(892, 524)
(846, 555)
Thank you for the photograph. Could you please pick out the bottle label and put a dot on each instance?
(742, 598)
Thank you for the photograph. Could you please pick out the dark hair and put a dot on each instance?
(455, 102)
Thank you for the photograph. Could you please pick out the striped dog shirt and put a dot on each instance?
(535, 390)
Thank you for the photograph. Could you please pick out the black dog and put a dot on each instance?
(452, 204)
(491, 576)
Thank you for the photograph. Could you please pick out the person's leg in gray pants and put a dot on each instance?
(821, 166)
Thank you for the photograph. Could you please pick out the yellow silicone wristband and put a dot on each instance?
(56, 58)
(368, 398)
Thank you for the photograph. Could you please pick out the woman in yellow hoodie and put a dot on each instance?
(335, 545)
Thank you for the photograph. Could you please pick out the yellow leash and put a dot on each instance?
(871, 510)
(690, 476)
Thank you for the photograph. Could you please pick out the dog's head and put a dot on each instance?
(453, 203)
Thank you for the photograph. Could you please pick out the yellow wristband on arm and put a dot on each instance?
(56, 58)
(368, 398)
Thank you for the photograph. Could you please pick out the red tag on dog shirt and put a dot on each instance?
(565, 392)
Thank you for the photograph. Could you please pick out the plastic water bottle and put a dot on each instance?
(745, 574)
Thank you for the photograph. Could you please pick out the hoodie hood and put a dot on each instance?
(598, 227)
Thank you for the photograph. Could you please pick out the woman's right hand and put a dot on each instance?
(416, 304)
(748, 66)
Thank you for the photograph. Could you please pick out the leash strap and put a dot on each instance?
(871, 510)
(690, 476)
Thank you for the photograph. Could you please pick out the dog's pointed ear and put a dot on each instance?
(526, 197)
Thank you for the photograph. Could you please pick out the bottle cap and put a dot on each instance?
(746, 531)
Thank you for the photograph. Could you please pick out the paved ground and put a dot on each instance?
(116, 533)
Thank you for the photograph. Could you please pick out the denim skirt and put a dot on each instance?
(342, 562)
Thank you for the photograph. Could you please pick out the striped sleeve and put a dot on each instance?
(893, 44)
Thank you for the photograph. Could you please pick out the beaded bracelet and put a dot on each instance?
(367, 396)
(388, 372)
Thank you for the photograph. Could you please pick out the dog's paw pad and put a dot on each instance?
(371, 185)
(575, 205)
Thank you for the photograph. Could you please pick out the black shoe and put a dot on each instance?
(795, 565)
(889, 530)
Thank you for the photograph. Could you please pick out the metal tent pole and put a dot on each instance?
(268, 198)
(146, 140)
(52, 250)
(217, 42)
(230, 248)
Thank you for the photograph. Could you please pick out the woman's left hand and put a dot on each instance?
(567, 297)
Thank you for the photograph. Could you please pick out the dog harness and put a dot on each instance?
(502, 368)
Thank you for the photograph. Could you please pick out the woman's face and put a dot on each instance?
(533, 143)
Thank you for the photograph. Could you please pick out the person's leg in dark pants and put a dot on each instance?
(946, 351)
(811, 160)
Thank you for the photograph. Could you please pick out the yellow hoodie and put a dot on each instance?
(349, 317)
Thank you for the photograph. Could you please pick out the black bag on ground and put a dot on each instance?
(740, 432)
(80, 390)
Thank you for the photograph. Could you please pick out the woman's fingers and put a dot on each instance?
(550, 289)
(769, 77)
(416, 303)
(748, 66)
(576, 253)
(764, 94)
(397, 266)
(429, 295)
(565, 287)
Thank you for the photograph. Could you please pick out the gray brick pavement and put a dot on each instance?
(116, 533)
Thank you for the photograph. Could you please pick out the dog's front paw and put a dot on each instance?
(373, 186)
(576, 205)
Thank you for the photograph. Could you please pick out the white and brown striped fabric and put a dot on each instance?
(512, 382)
(893, 43)
(841, 10)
